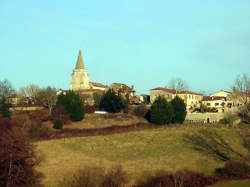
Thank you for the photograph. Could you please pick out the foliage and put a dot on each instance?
(97, 98)
(97, 176)
(233, 169)
(6, 88)
(211, 143)
(140, 110)
(30, 91)
(90, 109)
(59, 112)
(179, 110)
(184, 178)
(73, 103)
(17, 158)
(162, 111)
(4, 108)
(47, 97)
(58, 124)
(36, 130)
(111, 102)
(39, 115)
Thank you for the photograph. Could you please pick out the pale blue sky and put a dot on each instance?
(137, 42)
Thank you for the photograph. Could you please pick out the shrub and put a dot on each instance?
(233, 170)
(58, 124)
(111, 102)
(97, 98)
(59, 112)
(73, 103)
(97, 176)
(180, 111)
(4, 108)
(182, 178)
(40, 115)
(36, 130)
(17, 158)
(161, 111)
(90, 109)
(140, 111)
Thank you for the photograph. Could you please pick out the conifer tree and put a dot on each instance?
(180, 111)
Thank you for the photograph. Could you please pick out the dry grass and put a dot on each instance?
(137, 151)
(94, 121)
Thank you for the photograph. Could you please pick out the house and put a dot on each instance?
(98, 86)
(123, 90)
(191, 99)
(217, 102)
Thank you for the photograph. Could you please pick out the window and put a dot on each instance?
(208, 104)
(216, 104)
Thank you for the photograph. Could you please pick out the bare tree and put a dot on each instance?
(47, 97)
(241, 96)
(6, 88)
(30, 91)
(178, 84)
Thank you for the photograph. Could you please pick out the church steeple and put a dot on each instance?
(79, 63)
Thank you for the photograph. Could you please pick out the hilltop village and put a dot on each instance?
(213, 105)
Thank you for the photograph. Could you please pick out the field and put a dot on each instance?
(137, 151)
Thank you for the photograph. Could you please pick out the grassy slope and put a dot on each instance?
(234, 184)
(137, 151)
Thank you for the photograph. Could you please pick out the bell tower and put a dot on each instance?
(80, 77)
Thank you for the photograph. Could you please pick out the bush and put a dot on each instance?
(4, 108)
(58, 124)
(180, 111)
(140, 111)
(162, 112)
(90, 109)
(111, 102)
(97, 176)
(17, 158)
(40, 115)
(182, 178)
(36, 130)
(73, 103)
(233, 170)
(59, 112)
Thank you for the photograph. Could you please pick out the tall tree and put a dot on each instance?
(178, 84)
(4, 108)
(31, 90)
(47, 97)
(6, 88)
(180, 111)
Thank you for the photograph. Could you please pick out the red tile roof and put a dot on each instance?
(175, 91)
(215, 98)
(98, 85)
(166, 90)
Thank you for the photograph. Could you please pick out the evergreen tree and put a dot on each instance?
(161, 111)
(180, 111)
(4, 108)
(73, 103)
(111, 102)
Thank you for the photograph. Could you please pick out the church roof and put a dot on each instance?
(79, 63)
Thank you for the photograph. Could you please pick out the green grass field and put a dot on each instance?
(234, 184)
(136, 151)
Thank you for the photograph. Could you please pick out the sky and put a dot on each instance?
(143, 43)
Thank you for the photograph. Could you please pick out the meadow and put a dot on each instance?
(138, 152)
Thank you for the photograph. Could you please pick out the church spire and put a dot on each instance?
(79, 63)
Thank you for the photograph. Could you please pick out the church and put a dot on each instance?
(80, 78)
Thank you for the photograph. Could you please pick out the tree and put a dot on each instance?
(162, 111)
(111, 102)
(6, 88)
(241, 96)
(47, 97)
(178, 84)
(4, 108)
(30, 91)
(17, 157)
(180, 111)
(73, 103)
(97, 98)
